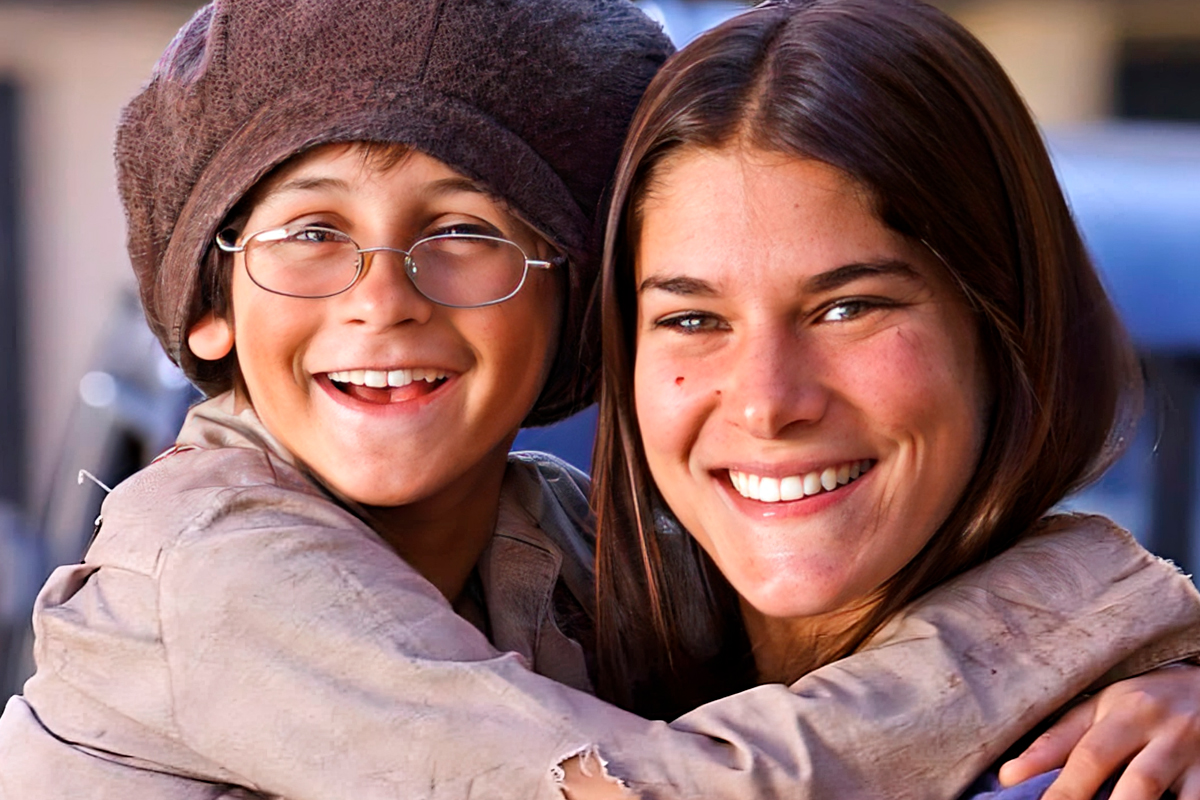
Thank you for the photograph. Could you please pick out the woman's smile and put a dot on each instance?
(768, 489)
(806, 380)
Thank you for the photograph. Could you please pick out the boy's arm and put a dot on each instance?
(302, 658)
(951, 683)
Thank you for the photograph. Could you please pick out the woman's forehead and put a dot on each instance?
(730, 207)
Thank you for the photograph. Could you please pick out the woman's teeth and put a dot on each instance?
(379, 379)
(794, 487)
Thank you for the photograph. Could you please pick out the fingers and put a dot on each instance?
(1102, 750)
(1051, 749)
(1166, 762)
(1151, 723)
(1188, 788)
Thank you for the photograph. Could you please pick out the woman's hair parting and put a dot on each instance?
(905, 102)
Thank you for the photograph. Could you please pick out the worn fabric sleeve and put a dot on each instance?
(278, 644)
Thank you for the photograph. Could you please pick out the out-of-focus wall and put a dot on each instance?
(75, 65)
(1065, 55)
(1061, 54)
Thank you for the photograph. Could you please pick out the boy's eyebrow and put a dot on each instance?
(457, 184)
(307, 185)
(818, 284)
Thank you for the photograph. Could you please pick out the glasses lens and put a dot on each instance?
(302, 262)
(462, 270)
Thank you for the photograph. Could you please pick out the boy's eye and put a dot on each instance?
(318, 235)
(691, 322)
(466, 229)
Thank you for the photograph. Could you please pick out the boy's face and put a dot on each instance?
(308, 364)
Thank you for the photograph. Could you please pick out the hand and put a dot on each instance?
(1151, 723)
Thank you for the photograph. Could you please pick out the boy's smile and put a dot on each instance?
(391, 399)
(387, 386)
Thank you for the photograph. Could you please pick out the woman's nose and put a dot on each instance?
(384, 295)
(774, 383)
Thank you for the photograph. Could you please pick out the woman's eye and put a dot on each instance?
(847, 310)
(690, 322)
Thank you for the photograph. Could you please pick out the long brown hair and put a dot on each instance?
(904, 101)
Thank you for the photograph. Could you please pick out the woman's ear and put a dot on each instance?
(211, 338)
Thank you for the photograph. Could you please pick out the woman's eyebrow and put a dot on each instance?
(678, 284)
(839, 277)
(824, 282)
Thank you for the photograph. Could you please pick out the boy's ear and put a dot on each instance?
(211, 338)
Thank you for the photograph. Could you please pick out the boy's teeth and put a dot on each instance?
(379, 379)
(794, 487)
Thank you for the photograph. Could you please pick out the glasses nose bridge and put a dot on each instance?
(366, 255)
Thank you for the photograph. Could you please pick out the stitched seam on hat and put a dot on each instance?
(437, 23)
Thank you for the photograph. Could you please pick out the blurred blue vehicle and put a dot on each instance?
(1135, 191)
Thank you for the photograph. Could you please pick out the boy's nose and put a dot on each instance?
(384, 295)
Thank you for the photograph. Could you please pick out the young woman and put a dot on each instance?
(355, 229)
(854, 346)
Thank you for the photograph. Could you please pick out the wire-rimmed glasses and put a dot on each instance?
(459, 270)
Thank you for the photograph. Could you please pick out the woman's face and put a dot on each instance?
(787, 342)
(391, 399)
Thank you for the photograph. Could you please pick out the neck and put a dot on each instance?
(787, 648)
(442, 537)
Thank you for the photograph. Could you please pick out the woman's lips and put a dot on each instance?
(768, 489)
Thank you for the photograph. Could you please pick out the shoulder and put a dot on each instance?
(1076, 552)
(556, 495)
(208, 495)
(553, 470)
(1074, 575)
(232, 543)
(1054, 532)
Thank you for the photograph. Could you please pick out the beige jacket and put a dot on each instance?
(232, 626)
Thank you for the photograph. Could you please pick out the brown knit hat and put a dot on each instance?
(529, 97)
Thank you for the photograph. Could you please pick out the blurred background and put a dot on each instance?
(1115, 84)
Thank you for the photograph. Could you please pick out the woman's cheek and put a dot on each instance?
(673, 395)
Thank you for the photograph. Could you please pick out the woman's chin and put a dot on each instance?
(797, 596)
